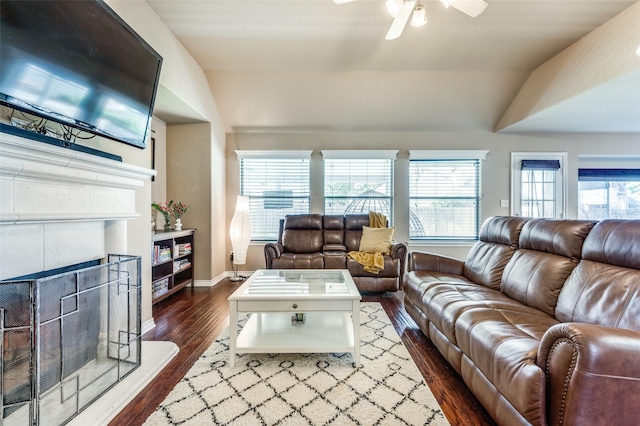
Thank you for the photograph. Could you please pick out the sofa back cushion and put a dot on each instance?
(353, 224)
(604, 288)
(548, 251)
(333, 233)
(302, 233)
(497, 242)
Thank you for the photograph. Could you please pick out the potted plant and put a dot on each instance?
(179, 209)
(166, 209)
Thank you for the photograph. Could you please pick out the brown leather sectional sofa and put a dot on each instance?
(315, 241)
(542, 320)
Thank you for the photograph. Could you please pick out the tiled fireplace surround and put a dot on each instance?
(60, 207)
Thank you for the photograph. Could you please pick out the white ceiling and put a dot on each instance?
(312, 64)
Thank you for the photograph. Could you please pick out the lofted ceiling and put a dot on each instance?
(314, 65)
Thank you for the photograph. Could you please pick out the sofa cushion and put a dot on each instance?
(303, 222)
(376, 239)
(616, 242)
(417, 282)
(302, 234)
(496, 244)
(561, 237)
(536, 278)
(485, 263)
(549, 251)
(503, 344)
(333, 226)
(353, 224)
(299, 261)
(605, 288)
(335, 259)
(444, 303)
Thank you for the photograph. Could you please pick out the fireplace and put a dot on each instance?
(60, 207)
(67, 339)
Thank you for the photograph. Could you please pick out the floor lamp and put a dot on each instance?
(240, 233)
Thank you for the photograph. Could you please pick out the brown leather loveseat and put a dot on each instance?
(315, 241)
(542, 319)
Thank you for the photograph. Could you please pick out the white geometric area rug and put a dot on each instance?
(306, 389)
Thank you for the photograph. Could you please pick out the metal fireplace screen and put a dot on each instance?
(67, 339)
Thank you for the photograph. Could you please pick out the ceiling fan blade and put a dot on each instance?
(472, 8)
(342, 1)
(400, 20)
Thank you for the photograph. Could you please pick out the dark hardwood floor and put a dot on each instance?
(193, 319)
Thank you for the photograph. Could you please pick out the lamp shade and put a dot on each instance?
(240, 230)
(393, 6)
(419, 16)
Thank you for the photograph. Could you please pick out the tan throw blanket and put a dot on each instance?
(372, 261)
(377, 220)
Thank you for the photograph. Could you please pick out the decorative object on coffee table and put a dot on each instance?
(298, 318)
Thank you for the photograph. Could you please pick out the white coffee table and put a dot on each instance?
(328, 298)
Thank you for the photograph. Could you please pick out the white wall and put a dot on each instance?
(495, 169)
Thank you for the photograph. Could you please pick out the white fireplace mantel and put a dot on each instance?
(59, 206)
(41, 182)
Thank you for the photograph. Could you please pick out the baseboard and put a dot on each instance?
(148, 326)
(213, 281)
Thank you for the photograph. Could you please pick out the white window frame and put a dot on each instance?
(451, 155)
(270, 156)
(560, 181)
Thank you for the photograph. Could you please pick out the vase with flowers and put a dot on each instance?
(178, 210)
(166, 209)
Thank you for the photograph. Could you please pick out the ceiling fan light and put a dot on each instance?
(446, 3)
(393, 6)
(419, 16)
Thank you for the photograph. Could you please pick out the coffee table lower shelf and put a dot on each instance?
(321, 332)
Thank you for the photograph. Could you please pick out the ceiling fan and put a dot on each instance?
(401, 10)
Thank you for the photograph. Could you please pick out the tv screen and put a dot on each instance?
(77, 63)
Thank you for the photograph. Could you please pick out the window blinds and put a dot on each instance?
(276, 187)
(618, 175)
(444, 198)
(358, 185)
(540, 165)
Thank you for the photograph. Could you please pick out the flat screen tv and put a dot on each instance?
(79, 64)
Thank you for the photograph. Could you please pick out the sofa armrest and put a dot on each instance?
(272, 251)
(593, 374)
(399, 251)
(423, 261)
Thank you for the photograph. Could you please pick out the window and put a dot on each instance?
(538, 184)
(358, 182)
(444, 195)
(277, 184)
(608, 194)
